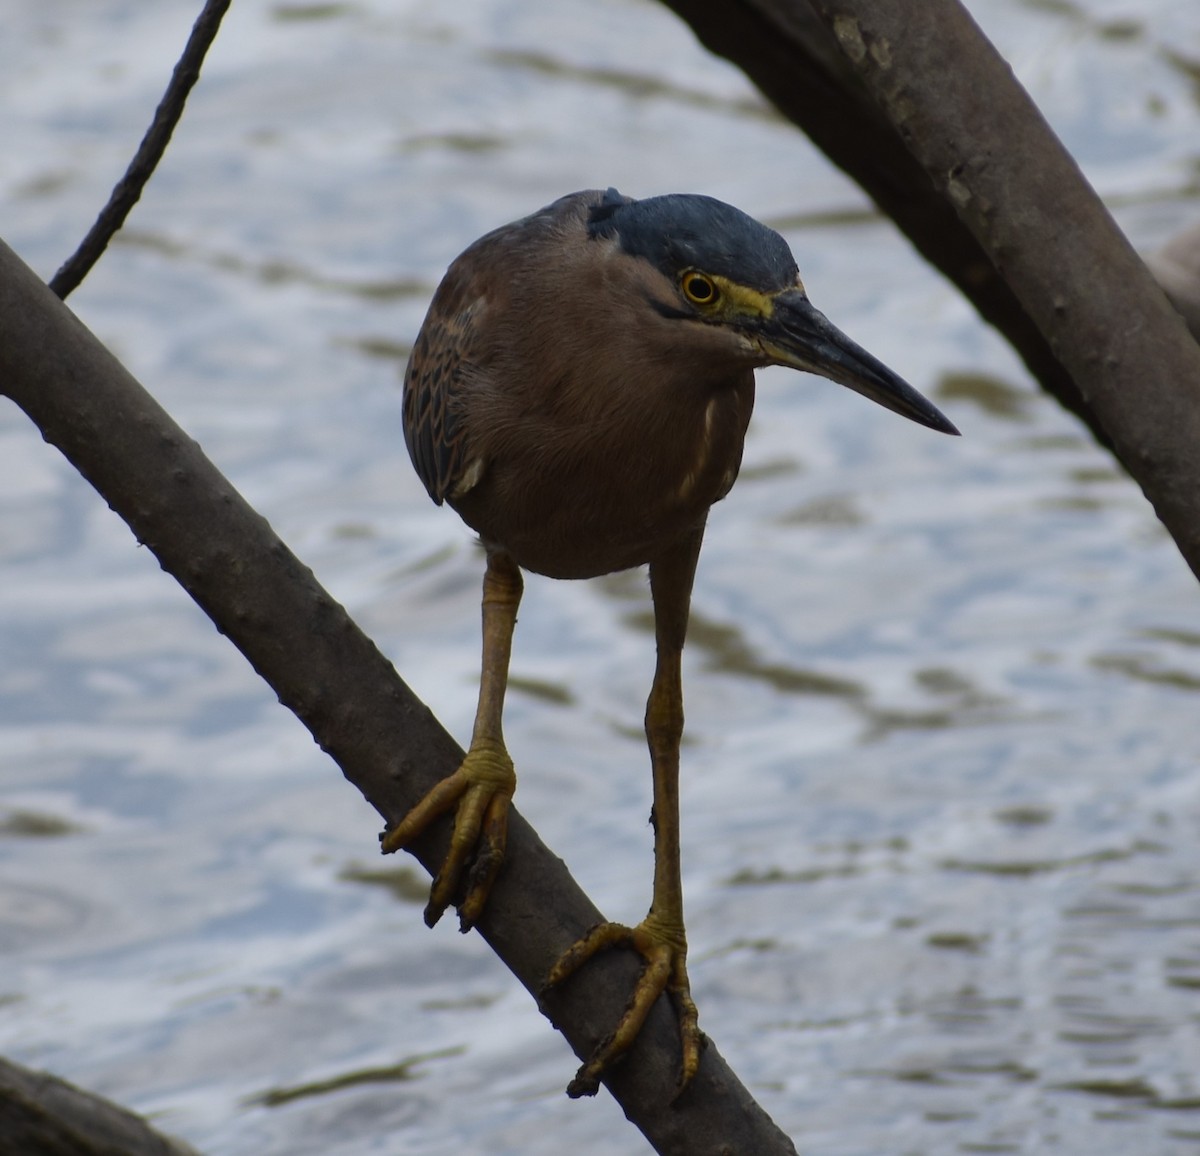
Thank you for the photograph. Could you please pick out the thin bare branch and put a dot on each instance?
(129, 188)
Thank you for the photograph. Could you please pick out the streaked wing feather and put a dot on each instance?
(433, 383)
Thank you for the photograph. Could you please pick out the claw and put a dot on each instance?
(481, 789)
(665, 952)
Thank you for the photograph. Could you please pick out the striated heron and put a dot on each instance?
(579, 394)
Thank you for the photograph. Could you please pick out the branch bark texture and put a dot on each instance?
(41, 1115)
(915, 104)
(987, 150)
(323, 668)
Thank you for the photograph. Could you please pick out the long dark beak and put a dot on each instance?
(802, 337)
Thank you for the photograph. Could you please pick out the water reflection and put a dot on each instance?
(940, 801)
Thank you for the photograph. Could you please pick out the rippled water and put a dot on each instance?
(942, 794)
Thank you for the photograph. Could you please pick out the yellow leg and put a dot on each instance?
(660, 938)
(483, 785)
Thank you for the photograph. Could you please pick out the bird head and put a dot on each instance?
(713, 265)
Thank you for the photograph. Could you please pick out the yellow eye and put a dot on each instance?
(699, 289)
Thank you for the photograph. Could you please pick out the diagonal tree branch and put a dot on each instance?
(323, 668)
(917, 106)
(953, 101)
(41, 1115)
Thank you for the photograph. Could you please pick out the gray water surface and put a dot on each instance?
(942, 792)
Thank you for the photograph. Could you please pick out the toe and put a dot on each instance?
(480, 789)
(599, 938)
(664, 949)
(440, 799)
(489, 858)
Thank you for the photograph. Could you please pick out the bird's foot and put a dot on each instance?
(481, 789)
(661, 943)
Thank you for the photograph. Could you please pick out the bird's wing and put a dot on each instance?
(438, 375)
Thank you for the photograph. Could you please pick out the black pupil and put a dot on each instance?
(699, 289)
